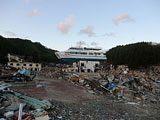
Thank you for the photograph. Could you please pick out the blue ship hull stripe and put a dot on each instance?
(78, 59)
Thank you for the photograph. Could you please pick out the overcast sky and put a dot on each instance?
(60, 24)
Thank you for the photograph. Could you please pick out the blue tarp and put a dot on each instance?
(131, 78)
(24, 71)
(111, 86)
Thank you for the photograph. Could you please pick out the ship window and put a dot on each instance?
(90, 53)
(79, 48)
(73, 52)
(82, 53)
(72, 48)
(97, 53)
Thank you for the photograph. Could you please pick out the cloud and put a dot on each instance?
(34, 13)
(10, 34)
(123, 18)
(109, 34)
(88, 31)
(64, 27)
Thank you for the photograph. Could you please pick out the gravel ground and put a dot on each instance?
(105, 108)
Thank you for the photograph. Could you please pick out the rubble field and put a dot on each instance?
(72, 102)
(57, 95)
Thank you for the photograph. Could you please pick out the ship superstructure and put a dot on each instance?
(77, 53)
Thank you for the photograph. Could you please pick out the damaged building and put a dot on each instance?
(27, 65)
(13, 57)
(18, 62)
(86, 66)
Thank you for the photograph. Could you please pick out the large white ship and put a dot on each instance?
(77, 53)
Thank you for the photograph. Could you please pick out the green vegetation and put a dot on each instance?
(135, 55)
(32, 51)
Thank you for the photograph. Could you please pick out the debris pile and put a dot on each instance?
(131, 86)
(20, 75)
(52, 72)
(10, 104)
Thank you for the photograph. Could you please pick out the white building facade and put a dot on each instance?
(86, 66)
(27, 65)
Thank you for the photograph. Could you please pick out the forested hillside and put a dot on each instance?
(135, 55)
(32, 51)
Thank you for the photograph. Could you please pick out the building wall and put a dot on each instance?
(89, 66)
(12, 57)
(26, 65)
(86, 66)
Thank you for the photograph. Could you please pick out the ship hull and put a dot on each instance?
(75, 58)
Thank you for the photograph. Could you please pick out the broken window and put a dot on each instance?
(37, 65)
(18, 64)
(82, 64)
(88, 70)
(82, 70)
(24, 64)
(96, 65)
(30, 64)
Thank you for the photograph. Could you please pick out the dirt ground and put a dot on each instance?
(56, 90)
